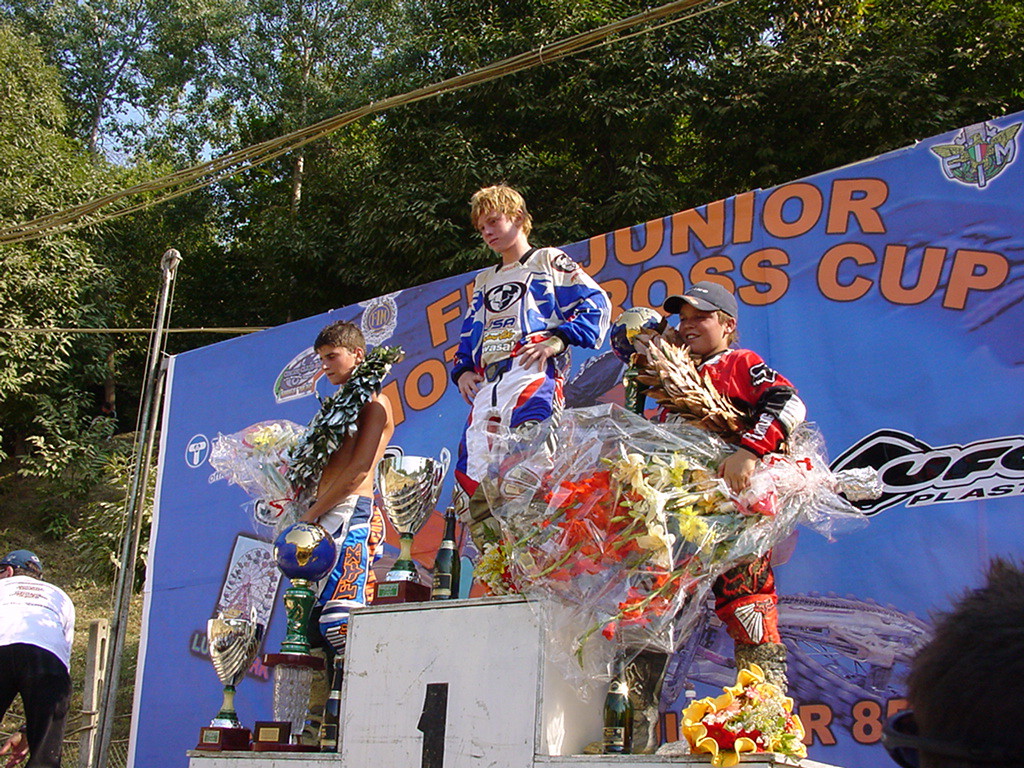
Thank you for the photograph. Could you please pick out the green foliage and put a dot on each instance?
(834, 83)
(41, 170)
(753, 94)
(750, 95)
(48, 283)
(70, 453)
(93, 534)
(84, 471)
(130, 66)
(384, 204)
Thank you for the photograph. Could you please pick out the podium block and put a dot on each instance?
(466, 676)
(462, 684)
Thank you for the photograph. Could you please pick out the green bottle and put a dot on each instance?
(332, 709)
(618, 713)
(447, 565)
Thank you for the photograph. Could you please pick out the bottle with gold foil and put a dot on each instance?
(635, 392)
(447, 565)
(618, 712)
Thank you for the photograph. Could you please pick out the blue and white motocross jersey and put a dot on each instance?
(543, 294)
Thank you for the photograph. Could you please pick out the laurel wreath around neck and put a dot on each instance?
(338, 417)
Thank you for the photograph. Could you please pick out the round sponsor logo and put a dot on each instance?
(501, 297)
(298, 378)
(197, 450)
(379, 319)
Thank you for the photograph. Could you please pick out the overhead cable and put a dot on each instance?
(204, 174)
(243, 329)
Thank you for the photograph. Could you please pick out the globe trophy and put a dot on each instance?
(409, 487)
(233, 642)
(305, 553)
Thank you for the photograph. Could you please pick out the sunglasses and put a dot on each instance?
(901, 740)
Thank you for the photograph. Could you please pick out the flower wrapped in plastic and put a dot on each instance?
(279, 463)
(750, 716)
(255, 459)
(622, 525)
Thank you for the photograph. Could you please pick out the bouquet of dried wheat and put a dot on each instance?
(674, 382)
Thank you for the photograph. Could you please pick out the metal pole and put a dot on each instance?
(92, 688)
(135, 500)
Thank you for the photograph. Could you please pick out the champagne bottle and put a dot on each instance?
(447, 566)
(618, 713)
(635, 392)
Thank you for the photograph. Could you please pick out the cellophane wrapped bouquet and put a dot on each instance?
(279, 463)
(255, 459)
(619, 526)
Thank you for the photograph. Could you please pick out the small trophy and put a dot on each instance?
(409, 487)
(233, 643)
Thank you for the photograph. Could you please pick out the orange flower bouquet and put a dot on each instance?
(625, 527)
(620, 528)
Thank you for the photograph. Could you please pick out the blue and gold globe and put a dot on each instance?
(626, 327)
(305, 551)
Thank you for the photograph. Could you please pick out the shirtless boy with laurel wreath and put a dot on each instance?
(338, 456)
(344, 493)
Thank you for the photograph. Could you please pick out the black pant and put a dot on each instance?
(45, 687)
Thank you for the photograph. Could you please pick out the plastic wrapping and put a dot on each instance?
(619, 526)
(254, 459)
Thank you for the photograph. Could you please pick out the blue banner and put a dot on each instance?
(891, 292)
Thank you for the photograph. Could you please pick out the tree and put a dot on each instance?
(295, 63)
(135, 70)
(591, 141)
(49, 282)
(752, 95)
(749, 95)
(834, 83)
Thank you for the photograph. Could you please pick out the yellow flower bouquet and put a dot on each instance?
(750, 716)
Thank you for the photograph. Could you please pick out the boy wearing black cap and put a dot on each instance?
(37, 625)
(745, 598)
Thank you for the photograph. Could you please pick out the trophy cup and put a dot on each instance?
(305, 553)
(233, 643)
(409, 487)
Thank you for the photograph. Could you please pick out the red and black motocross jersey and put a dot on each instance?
(764, 395)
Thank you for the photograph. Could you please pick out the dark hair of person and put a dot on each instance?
(965, 685)
(341, 334)
(19, 571)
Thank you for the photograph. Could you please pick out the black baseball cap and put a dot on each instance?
(23, 558)
(705, 296)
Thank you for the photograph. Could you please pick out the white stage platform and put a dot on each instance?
(285, 760)
(470, 676)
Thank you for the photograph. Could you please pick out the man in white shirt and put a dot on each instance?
(37, 625)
